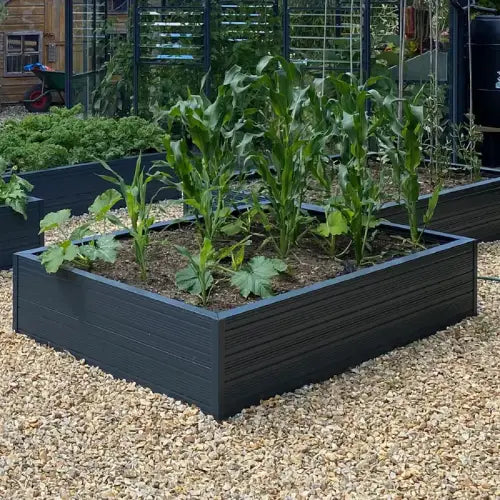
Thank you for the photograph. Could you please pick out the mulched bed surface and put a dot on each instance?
(307, 264)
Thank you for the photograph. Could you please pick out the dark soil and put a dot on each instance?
(452, 178)
(307, 264)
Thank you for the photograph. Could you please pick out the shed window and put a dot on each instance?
(22, 49)
(118, 5)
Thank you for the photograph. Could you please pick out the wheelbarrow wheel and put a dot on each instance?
(35, 101)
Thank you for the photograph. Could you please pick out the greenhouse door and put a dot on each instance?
(86, 46)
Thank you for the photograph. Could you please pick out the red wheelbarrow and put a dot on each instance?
(38, 98)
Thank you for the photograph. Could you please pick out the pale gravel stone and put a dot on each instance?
(165, 210)
(420, 422)
(12, 113)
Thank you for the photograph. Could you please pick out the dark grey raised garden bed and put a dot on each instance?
(77, 186)
(471, 210)
(226, 361)
(18, 234)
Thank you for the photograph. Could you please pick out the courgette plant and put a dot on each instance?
(14, 193)
(82, 254)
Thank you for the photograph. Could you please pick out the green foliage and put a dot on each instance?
(62, 137)
(291, 147)
(468, 136)
(357, 130)
(205, 179)
(255, 277)
(197, 277)
(138, 209)
(83, 255)
(252, 278)
(334, 225)
(411, 160)
(14, 192)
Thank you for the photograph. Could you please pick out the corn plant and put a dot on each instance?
(205, 179)
(356, 129)
(138, 209)
(14, 193)
(411, 157)
(291, 148)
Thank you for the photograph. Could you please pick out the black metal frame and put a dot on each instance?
(68, 49)
(457, 80)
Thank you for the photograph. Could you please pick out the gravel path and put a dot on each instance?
(420, 422)
(12, 112)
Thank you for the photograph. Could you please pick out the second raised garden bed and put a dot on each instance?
(471, 210)
(76, 186)
(226, 361)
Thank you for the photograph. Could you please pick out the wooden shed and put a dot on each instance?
(33, 31)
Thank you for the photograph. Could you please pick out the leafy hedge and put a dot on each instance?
(62, 137)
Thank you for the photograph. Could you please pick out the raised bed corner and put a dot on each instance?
(226, 361)
(17, 233)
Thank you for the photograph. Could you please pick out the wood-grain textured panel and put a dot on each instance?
(18, 234)
(311, 337)
(472, 210)
(128, 331)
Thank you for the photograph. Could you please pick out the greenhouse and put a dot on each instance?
(249, 249)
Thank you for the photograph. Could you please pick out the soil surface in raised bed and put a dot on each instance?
(452, 178)
(309, 263)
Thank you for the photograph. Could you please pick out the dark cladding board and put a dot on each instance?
(18, 234)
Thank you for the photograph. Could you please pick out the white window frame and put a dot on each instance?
(6, 51)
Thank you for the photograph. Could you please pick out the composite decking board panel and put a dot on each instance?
(348, 287)
(18, 234)
(156, 322)
(276, 344)
(328, 361)
(124, 351)
(195, 336)
(137, 364)
(339, 355)
(76, 186)
(256, 338)
(458, 208)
